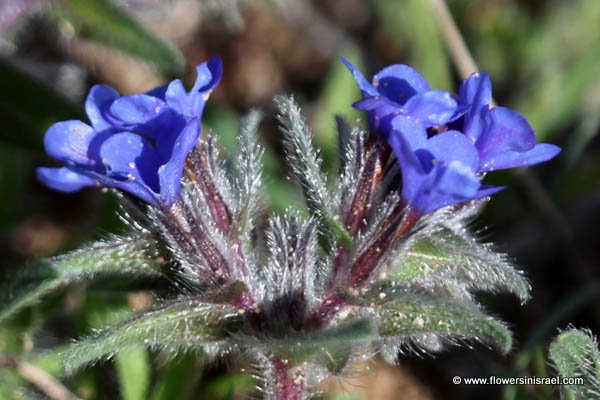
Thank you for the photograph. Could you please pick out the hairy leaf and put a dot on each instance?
(575, 354)
(184, 325)
(416, 315)
(248, 174)
(305, 162)
(446, 257)
(293, 266)
(134, 256)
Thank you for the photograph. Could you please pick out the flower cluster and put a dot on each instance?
(302, 298)
(136, 143)
(446, 143)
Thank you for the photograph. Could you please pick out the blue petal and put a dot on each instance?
(364, 85)
(208, 75)
(413, 131)
(476, 90)
(63, 179)
(96, 106)
(131, 165)
(128, 156)
(436, 172)
(406, 139)
(170, 174)
(400, 82)
(434, 107)
(515, 159)
(476, 95)
(137, 109)
(380, 110)
(69, 142)
(191, 105)
(450, 184)
(453, 145)
(506, 131)
(486, 190)
(176, 96)
(158, 92)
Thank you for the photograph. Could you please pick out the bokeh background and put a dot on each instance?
(544, 60)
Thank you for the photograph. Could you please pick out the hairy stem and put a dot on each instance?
(198, 169)
(393, 229)
(287, 385)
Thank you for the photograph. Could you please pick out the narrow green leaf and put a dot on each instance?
(445, 256)
(415, 316)
(575, 355)
(305, 161)
(133, 369)
(185, 325)
(177, 379)
(248, 174)
(101, 21)
(135, 256)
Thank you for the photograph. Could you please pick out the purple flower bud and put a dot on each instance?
(137, 144)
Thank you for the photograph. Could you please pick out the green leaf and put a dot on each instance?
(133, 369)
(101, 21)
(132, 256)
(575, 355)
(177, 379)
(181, 326)
(305, 162)
(418, 315)
(248, 174)
(445, 256)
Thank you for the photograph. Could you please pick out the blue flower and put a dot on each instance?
(399, 91)
(503, 137)
(437, 171)
(136, 143)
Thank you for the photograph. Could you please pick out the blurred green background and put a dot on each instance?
(544, 60)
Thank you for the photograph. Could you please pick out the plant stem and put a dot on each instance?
(38, 377)
(456, 45)
(287, 386)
